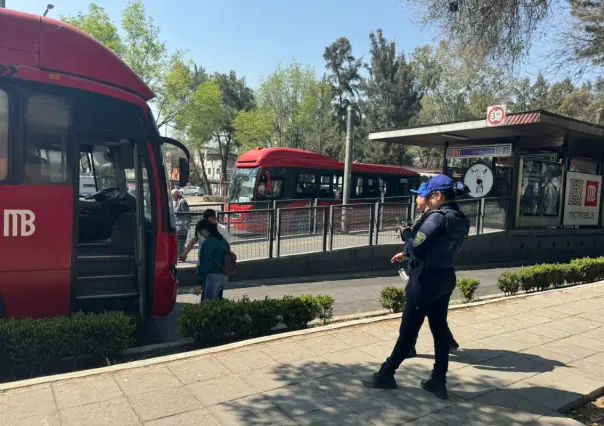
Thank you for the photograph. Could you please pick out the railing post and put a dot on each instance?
(271, 232)
(278, 232)
(371, 222)
(412, 209)
(331, 215)
(480, 227)
(315, 204)
(325, 228)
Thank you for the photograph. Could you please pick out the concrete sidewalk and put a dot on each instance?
(521, 361)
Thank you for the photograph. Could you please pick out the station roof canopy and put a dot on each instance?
(521, 126)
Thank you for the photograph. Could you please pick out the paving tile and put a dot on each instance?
(555, 419)
(27, 402)
(286, 351)
(575, 325)
(222, 389)
(572, 351)
(75, 392)
(352, 359)
(312, 368)
(379, 351)
(197, 369)
(476, 352)
(115, 412)
(356, 337)
(383, 332)
(385, 408)
(253, 410)
(512, 406)
(596, 359)
(596, 333)
(163, 403)
(554, 359)
(273, 378)
(337, 415)
(588, 370)
(412, 394)
(46, 419)
(299, 399)
(595, 345)
(244, 361)
(324, 344)
(595, 315)
(200, 417)
(549, 331)
(424, 421)
(506, 342)
(465, 413)
(343, 387)
(146, 379)
(538, 317)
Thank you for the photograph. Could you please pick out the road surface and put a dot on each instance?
(353, 294)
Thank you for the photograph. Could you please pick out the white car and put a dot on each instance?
(192, 190)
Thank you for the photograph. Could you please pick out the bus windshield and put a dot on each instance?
(243, 182)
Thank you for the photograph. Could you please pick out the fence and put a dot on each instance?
(267, 233)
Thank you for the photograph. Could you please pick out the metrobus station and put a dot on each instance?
(535, 174)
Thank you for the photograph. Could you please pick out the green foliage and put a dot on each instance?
(393, 298)
(254, 128)
(509, 283)
(215, 321)
(34, 343)
(467, 287)
(99, 25)
(586, 270)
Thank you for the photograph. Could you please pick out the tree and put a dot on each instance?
(345, 77)
(99, 25)
(254, 128)
(200, 119)
(393, 97)
(236, 97)
(539, 92)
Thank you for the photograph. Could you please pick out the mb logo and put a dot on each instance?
(591, 194)
(19, 223)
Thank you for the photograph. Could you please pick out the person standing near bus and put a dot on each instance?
(182, 220)
(432, 251)
(211, 278)
(210, 215)
(421, 205)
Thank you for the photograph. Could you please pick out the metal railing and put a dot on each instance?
(275, 232)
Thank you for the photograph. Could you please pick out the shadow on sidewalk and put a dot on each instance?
(331, 393)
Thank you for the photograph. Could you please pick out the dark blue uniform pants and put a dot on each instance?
(429, 299)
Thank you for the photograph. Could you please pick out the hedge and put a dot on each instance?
(35, 343)
(542, 277)
(216, 321)
(393, 298)
(467, 287)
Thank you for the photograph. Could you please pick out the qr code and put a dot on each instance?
(576, 190)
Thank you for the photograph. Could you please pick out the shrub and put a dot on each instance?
(509, 283)
(467, 287)
(38, 342)
(393, 298)
(588, 270)
(527, 279)
(215, 321)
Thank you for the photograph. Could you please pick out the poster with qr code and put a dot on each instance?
(582, 199)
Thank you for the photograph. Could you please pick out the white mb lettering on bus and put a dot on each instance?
(14, 218)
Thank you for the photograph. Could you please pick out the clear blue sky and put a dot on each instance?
(253, 36)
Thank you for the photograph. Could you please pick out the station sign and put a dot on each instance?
(582, 199)
(501, 150)
(545, 158)
(496, 115)
(479, 179)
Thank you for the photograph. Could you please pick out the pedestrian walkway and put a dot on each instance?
(521, 361)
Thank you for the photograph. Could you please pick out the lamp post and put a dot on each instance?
(48, 7)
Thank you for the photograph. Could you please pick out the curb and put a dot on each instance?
(251, 342)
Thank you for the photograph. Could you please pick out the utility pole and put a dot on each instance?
(347, 170)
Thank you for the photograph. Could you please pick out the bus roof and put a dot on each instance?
(53, 45)
(291, 157)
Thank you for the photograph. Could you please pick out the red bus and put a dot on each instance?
(68, 108)
(292, 177)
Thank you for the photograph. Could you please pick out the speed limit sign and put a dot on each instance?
(495, 115)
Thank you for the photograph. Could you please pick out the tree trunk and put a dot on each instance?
(206, 181)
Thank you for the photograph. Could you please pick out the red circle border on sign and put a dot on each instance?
(497, 108)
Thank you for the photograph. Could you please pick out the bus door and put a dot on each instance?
(110, 227)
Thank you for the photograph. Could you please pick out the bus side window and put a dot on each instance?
(337, 187)
(306, 185)
(325, 189)
(47, 127)
(3, 135)
(358, 190)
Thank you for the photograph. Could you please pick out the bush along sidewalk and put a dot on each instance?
(31, 345)
(467, 287)
(219, 321)
(542, 277)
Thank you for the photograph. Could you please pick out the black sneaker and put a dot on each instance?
(412, 354)
(383, 379)
(437, 387)
(453, 346)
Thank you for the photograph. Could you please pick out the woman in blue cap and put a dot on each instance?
(421, 205)
(431, 254)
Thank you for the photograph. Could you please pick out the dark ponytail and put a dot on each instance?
(458, 190)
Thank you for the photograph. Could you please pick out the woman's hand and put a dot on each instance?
(398, 258)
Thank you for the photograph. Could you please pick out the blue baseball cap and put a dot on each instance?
(420, 189)
(437, 183)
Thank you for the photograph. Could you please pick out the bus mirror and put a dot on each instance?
(183, 172)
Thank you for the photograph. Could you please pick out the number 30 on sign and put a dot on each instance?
(495, 115)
